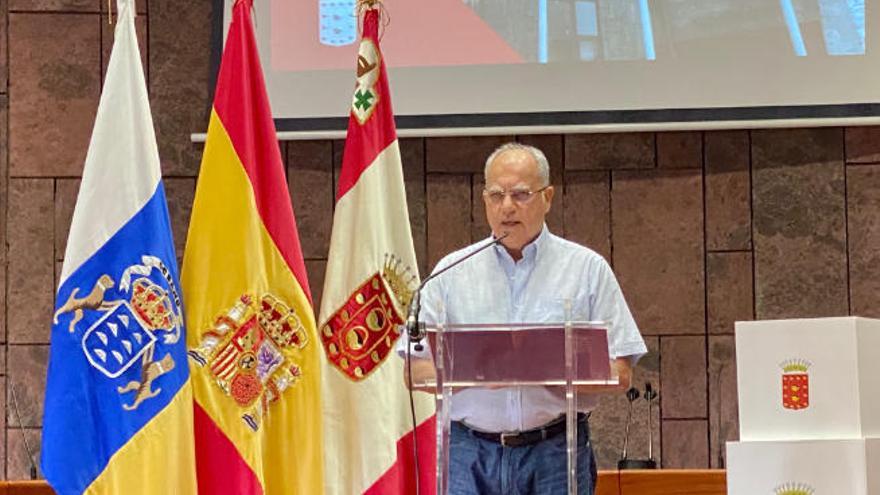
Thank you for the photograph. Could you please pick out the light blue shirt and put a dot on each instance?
(493, 288)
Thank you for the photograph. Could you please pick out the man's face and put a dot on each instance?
(519, 215)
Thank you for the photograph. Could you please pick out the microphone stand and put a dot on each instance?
(415, 330)
(649, 463)
(650, 395)
(631, 395)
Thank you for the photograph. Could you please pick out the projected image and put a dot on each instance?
(783, 27)
(496, 63)
(321, 34)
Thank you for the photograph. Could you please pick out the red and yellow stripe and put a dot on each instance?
(243, 240)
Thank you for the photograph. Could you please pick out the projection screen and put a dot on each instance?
(494, 66)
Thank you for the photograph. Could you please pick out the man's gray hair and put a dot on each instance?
(538, 155)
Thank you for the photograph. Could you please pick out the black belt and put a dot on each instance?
(527, 437)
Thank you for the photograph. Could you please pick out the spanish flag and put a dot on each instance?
(254, 352)
(371, 274)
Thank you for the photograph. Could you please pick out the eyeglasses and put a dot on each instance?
(519, 196)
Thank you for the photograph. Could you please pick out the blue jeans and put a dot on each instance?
(483, 467)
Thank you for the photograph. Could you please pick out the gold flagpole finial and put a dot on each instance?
(365, 5)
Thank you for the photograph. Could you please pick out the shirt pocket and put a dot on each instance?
(553, 310)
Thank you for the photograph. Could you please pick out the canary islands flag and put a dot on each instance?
(118, 408)
(253, 344)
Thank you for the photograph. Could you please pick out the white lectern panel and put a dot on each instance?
(808, 379)
(872, 456)
(827, 467)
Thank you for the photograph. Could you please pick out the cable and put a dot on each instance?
(27, 446)
(412, 410)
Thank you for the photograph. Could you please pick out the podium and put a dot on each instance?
(809, 407)
(570, 357)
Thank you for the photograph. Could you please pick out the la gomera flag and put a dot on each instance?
(254, 352)
(371, 275)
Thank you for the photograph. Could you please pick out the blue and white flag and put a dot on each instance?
(118, 408)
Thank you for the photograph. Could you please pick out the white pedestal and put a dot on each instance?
(827, 467)
(830, 388)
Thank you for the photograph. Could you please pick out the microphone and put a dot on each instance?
(415, 328)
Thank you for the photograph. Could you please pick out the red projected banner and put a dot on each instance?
(425, 33)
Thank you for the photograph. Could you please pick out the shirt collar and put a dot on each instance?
(530, 250)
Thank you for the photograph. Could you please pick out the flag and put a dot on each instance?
(118, 408)
(370, 278)
(253, 345)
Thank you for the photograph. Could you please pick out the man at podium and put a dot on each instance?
(524, 279)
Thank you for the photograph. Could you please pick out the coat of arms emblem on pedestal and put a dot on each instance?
(795, 384)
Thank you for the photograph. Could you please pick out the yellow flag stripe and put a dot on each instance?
(230, 253)
(149, 447)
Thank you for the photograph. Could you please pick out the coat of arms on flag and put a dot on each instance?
(249, 353)
(361, 334)
(795, 384)
(129, 318)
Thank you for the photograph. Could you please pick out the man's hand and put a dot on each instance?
(620, 368)
(623, 368)
(422, 372)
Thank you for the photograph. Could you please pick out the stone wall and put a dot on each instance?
(702, 228)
